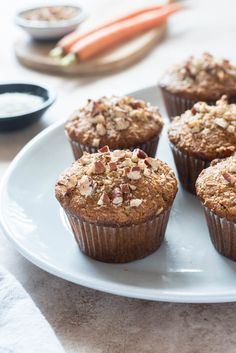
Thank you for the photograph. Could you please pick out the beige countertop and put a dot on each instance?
(87, 321)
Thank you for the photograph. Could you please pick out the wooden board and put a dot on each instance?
(35, 55)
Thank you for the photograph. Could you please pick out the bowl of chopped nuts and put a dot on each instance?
(50, 22)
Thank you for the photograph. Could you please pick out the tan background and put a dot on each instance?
(85, 320)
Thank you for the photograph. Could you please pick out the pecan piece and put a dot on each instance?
(99, 167)
(125, 189)
(232, 168)
(221, 122)
(104, 199)
(121, 124)
(85, 185)
(104, 149)
(119, 154)
(215, 161)
(140, 153)
(151, 162)
(112, 166)
(229, 178)
(135, 202)
(116, 196)
(134, 173)
(101, 130)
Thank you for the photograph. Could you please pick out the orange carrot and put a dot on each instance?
(64, 45)
(106, 38)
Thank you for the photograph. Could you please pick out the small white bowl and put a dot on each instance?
(45, 30)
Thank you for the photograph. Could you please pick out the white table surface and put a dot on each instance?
(85, 320)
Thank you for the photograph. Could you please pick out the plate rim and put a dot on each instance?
(99, 284)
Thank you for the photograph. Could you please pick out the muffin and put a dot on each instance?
(200, 135)
(117, 203)
(118, 122)
(216, 189)
(197, 79)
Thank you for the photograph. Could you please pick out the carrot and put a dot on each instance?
(64, 45)
(106, 38)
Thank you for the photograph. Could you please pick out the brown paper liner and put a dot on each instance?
(150, 147)
(119, 244)
(222, 233)
(176, 105)
(188, 168)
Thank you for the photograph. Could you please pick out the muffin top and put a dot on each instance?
(116, 188)
(205, 131)
(216, 187)
(119, 122)
(203, 78)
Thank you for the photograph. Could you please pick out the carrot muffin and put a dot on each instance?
(197, 79)
(118, 122)
(117, 203)
(216, 189)
(200, 135)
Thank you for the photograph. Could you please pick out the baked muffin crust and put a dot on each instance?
(205, 131)
(216, 187)
(204, 78)
(116, 188)
(120, 122)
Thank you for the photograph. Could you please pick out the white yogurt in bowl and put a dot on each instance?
(18, 103)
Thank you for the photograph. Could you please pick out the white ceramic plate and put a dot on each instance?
(185, 269)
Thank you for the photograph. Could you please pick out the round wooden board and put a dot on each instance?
(35, 55)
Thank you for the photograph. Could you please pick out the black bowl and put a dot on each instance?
(21, 120)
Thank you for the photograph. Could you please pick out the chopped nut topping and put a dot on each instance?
(135, 202)
(232, 167)
(141, 164)
(229, 178)
(101, 119)
(119, 154)
(215, 161)
(117, 196)
(221, 122)
(125, 188)
(98, 119)
(112, 166)
(71, 183)
(147, 172)
(198, 69)
(85, 185)
(101, 130)
(216, 188)
(231, 129)
(139, 153)
(132, 187)
(115, 184)
(99, 167)
(153, 163)
(229, 173)
(209, 133)
(104, 149)
(134, 173)
(126, 170)
(104, 199)
(121, 124)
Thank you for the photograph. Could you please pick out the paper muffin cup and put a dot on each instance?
(222, 234)
(150, 147)
(119, 244)
(177, 105)
(188, 168)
